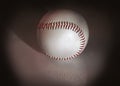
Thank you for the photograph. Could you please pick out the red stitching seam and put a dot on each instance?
(65, 25)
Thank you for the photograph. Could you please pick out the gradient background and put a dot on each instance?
(98, 15)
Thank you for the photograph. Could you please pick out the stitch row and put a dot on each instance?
(69, 26)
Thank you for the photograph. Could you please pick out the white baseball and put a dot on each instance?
(62, 34)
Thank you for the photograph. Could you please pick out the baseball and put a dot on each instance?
(62, 34)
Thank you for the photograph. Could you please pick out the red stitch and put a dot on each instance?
(83, 44)
(74, 27)
(67, 25)
(54, 25)
(78, 53)
(50, 25)
(64, 24)
(45, 26)
(59, 58)
(83, 38)
(78, 30)
(74, 55)
(58, 24)
(71, 26)
(67, 58)
(83, 41)
(61, 24)
(80, 33)
(81, 48)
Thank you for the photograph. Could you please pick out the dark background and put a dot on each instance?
(110, 77)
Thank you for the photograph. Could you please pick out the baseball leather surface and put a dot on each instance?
(62, 34)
